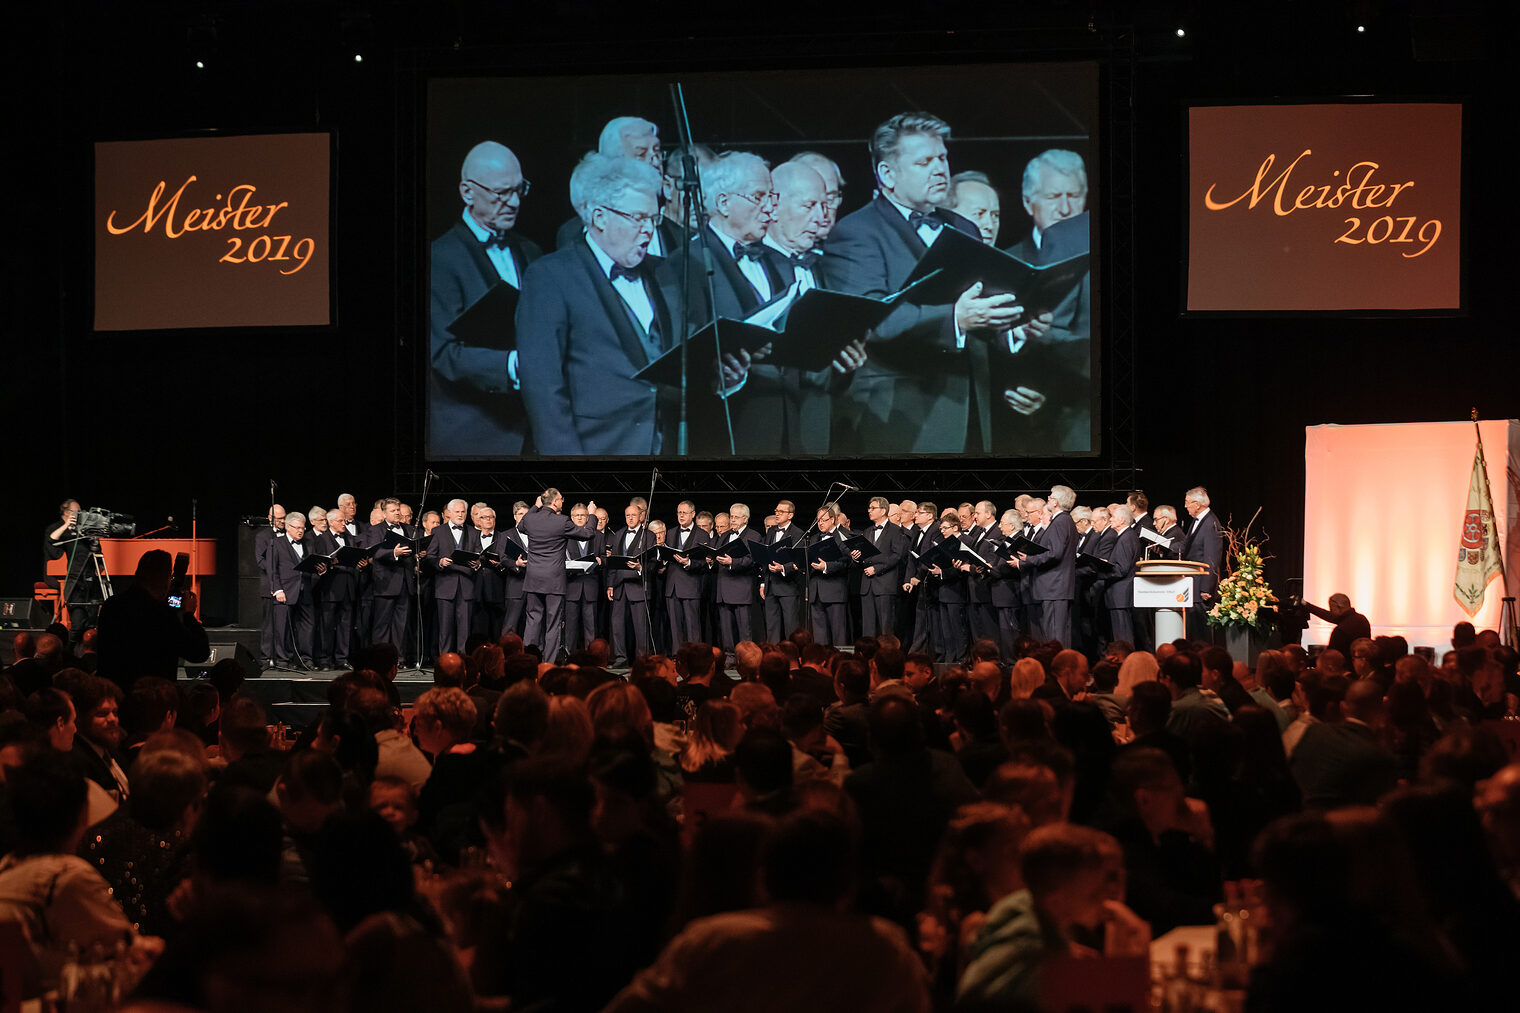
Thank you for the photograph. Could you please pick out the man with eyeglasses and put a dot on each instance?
(475, 408)
(928, 372)
(595, 313)
(636, 138)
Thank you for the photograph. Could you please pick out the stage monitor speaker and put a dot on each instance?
(16, 613)
(223, 647)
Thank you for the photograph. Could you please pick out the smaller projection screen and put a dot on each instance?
(1352, 207)
(212, 232)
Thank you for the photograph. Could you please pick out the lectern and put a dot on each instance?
(1166, 586)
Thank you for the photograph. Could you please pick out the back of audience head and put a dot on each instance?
(568, 734)
(852, 681)
(1150, 704)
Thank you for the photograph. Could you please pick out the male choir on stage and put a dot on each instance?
(940, 580)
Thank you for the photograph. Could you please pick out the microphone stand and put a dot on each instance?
(693, 203)
(807, 567)
(427, 481)
(654, 474)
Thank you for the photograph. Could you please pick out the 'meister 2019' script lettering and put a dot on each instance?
(1356, 191)
(237, 212)
(241, 217)
(1363, 194)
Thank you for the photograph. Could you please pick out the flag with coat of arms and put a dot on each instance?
(1478, 559)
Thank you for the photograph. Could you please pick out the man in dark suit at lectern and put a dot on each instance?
(926, 374)
(475, 408)
(1204, 544)
(544, 531)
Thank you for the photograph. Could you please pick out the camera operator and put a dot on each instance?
(81, 587)
(142, 633)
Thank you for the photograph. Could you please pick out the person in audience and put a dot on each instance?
(142, 849)
(1349, 930)
(1137, 667)
(848, 719)
(310, 793)
(567, 735)
(834, 958)
(1182, 674)
(443, 722)
(1148, 715)
(1173, 873)
(1065, 879)
(97, 746)
(708, 753)
(1219, 679)
(58, 900)
(905, 796)
(566, 920)
(1343, 762)
(141, 634)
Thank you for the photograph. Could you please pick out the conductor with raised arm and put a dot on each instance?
(544, 531)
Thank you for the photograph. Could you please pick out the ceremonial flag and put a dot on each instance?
(1478, 559)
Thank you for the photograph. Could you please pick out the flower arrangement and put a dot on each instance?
(1245, 597)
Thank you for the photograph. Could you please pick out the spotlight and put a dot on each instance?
(1181, 33)
(1360, 29)
(358, 57)
(200, 65)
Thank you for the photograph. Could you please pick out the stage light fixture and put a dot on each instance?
(200, 65)
(1181, 33)
(1361, 29)
(358, 57)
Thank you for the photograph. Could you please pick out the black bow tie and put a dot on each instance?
(497, 240)
(807, 258)
(916, 219)
(631, 273)
(748, 251)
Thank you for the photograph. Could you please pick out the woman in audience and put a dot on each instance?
(142, 850)
(59, 901)
(707, 756)
(1138, 667)
(567, 734)
(344, 736)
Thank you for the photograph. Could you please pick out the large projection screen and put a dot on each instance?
(979, 394)
(1383, 508)
(1330, 207)
(225, 231)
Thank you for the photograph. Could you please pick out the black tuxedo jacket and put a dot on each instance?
(788, 584)
(681, 581)
(830, 585)
(587, 585)
(391, 577)
(452, 581)
(547, 533)
(491, 580)
(915, 379)
(632, 581)
(579, 347)
(1055, 570)
(1119, 586)
(1205, 544)
(283, 575)
(737, 581)
(472, 410)
(1104, 543)
(511, 548)
(339, 583)
(892, 550)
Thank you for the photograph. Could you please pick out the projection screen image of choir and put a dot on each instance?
(874, 263)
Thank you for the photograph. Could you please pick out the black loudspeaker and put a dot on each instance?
(16, 613)
(250, 583)
(226, 644)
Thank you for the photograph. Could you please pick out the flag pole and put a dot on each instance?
(1488, 494)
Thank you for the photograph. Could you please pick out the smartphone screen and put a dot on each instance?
(174, 601)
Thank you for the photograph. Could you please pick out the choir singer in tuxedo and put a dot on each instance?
(595, 313)
(927, 375)
(453, 583)
(475, 408)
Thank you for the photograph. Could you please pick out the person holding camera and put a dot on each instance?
(145, 631)
(81, 587)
